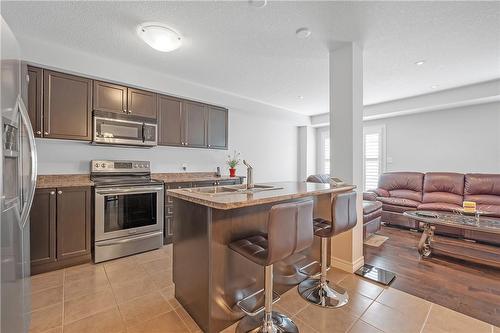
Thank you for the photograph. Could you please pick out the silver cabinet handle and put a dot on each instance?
(59, 192)
(38, 132)
(124, 110)
(46, 133)
(52, 192)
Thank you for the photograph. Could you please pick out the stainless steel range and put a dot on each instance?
(128, 209)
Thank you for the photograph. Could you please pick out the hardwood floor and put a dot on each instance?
(465, 287)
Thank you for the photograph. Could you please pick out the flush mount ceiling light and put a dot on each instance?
(303, 33)
(434, 86)
(258, 3)
(159, 36)
(420, 62)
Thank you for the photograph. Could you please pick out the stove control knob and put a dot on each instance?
(97, 165)
(103, 165)
(136, 166)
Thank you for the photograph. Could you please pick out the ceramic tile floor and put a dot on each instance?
(135, 295)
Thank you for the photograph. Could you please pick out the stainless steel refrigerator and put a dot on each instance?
(17, 187)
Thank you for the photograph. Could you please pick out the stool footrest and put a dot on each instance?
(252, 305)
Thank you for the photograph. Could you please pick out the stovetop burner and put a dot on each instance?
(111, 182)
(121, 173)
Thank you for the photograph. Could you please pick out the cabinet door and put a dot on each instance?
(73, 222)
(169, 121)
(110, 97)
(67, 106)
(142, 103)
(43, 227)
(195, 124)
(217, 127)
(35, 95)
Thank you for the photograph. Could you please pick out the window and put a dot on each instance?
(323, 150)
(373, 155)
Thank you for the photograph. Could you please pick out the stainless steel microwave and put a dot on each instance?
(130, 131)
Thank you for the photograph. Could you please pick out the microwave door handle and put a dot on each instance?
(143, 132)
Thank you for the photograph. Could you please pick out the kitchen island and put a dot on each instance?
(209, 277)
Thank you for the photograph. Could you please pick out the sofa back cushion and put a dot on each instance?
(405, 185)
(443, 187)
(483, 189)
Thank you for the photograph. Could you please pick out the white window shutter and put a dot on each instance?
(372, 159)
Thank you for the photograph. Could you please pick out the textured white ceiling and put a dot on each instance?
(253, 52)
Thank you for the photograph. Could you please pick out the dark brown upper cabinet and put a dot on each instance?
(35, 98)
(170, 121)
(110, 97)
(217, 128)
(141, 103)
(195, 124)
(67, 106)
(115, 98)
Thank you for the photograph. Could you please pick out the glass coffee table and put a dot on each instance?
(462, 249)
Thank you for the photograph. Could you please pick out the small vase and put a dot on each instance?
(232, 172)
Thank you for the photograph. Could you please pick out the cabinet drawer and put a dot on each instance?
(169, 230)
(205, 183)
(229, 182)
(169, 210)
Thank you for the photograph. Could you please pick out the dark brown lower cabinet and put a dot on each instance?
(60, 226)
(73, 223)
(43, 228)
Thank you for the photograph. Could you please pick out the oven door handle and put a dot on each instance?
(128, 239)
(125, 190)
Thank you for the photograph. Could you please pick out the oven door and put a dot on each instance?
(125, 211)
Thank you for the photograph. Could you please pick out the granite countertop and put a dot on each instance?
(231, 200)
(67, 180)
(75, 180)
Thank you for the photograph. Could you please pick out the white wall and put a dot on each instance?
(267, 136)
(465, 139)
(306, 152)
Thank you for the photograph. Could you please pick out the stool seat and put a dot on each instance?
(343, 218)
(254, 248)
(289, 231)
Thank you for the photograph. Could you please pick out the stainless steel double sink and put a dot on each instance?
(232, 189)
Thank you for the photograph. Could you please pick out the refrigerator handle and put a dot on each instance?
(33, 156)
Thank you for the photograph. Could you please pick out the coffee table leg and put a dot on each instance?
(424, 246)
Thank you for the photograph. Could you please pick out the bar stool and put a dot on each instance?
(289, 230)
(344, 218)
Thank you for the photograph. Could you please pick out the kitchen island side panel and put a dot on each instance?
(191, 259)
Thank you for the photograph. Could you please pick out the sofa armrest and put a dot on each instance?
(370, 196)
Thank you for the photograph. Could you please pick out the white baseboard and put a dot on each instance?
(347, 266)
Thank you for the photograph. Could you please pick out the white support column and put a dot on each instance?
(346, 140)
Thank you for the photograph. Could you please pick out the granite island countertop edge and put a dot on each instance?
(205, 200)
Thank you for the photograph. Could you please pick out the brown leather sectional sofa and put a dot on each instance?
(443, 191)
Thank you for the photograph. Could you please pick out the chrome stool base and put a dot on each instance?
(280, 324)
(322, 294)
